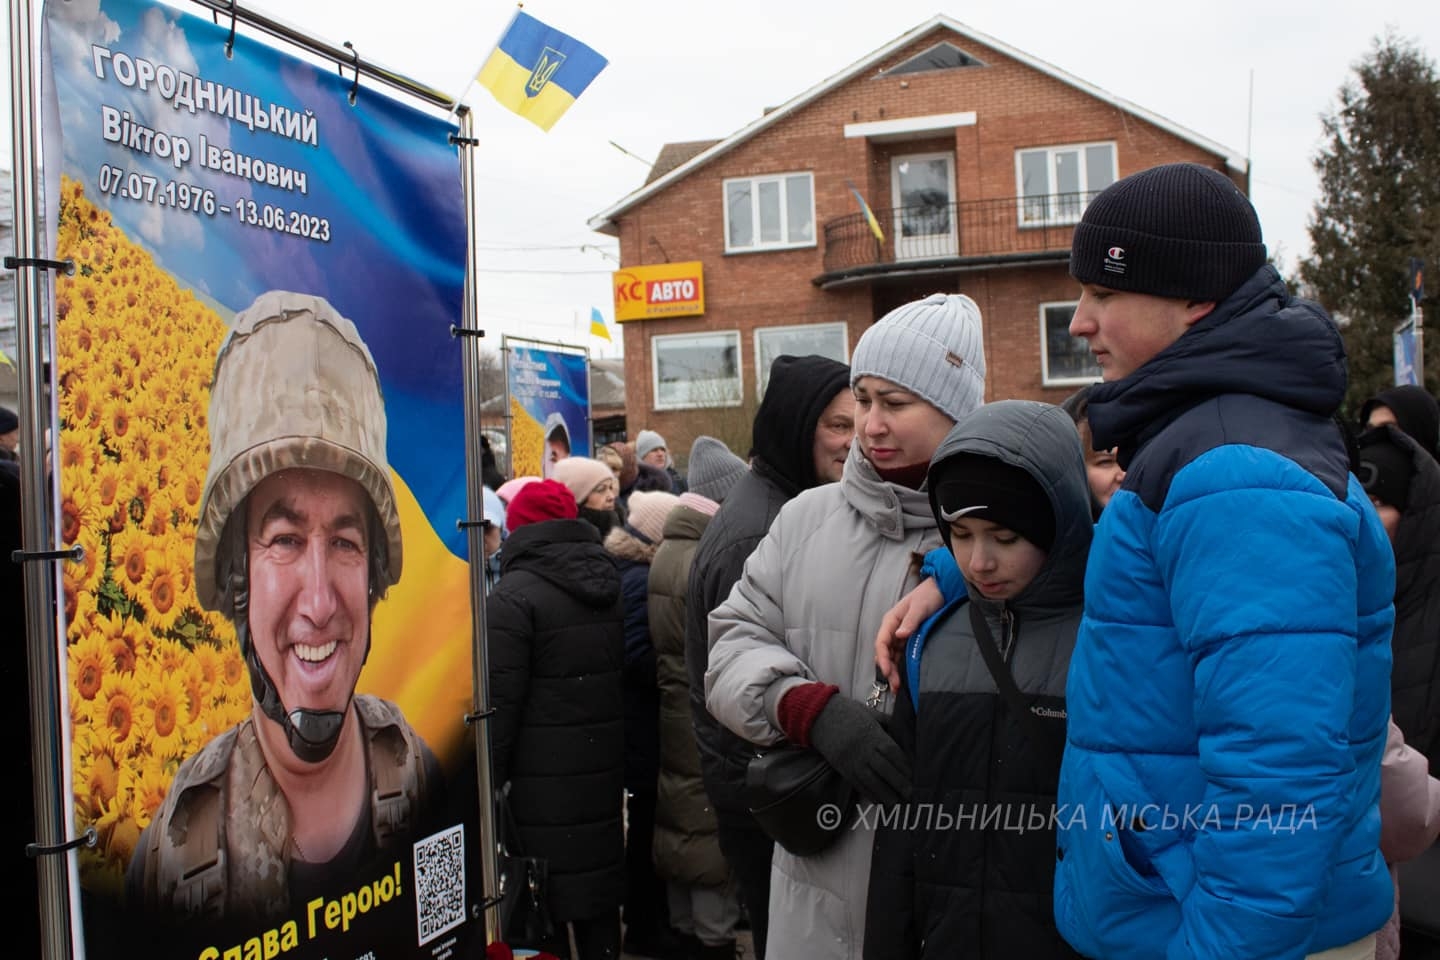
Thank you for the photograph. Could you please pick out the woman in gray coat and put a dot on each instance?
(791, 646)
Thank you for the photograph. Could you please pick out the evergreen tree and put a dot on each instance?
(1379, 206)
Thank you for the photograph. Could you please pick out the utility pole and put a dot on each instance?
(1417, 319)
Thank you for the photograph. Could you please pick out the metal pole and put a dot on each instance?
(42, 654)
(589, 405)
(475, 500)
(345, 57)
(509, 417)
(1419, 326)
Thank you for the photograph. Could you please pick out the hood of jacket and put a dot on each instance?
(566, 553)
(1416, 413)
(1040, 439)
(890, 508)
(1259, 341)
(624, 545)
(685, 523)
(783, 438)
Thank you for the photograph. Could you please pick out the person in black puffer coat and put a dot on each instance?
(633, 545)
(800, 440)
(1404, 483)
(25, 935)
(556, 646)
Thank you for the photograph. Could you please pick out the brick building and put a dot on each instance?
(976, 161)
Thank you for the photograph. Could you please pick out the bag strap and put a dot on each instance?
(1004, 679)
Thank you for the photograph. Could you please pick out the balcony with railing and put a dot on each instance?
(951, 235)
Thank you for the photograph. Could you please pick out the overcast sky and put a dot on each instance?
(694, 71)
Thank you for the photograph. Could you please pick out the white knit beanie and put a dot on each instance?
(647, 512)
(931, 347)
(582, 475)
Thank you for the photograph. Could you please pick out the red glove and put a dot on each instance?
(799, 708)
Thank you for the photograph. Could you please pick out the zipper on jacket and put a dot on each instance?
(1009, 630)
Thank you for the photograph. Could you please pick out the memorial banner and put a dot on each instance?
(549, 393)
(261, 453)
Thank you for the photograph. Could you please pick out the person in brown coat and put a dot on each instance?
(701, 892)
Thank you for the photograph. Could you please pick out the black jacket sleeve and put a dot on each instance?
(639, 648)
(510, 633)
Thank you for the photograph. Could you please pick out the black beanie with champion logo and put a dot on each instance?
(1178, 230)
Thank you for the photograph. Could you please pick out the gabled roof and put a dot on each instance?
(604, 222)
(673, 155)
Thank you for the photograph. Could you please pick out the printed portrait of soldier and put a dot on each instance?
(557, 443)
(299, 539)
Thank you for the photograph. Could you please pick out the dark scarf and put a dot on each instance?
(602, 520)
(911, 477)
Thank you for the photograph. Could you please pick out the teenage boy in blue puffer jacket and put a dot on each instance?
(1230, 685)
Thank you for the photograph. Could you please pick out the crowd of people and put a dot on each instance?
(1150, 673)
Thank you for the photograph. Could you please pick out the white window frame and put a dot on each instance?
(658, 342)
(1045, 378)
(762, 366)
(1058, 218)
(755, 182)
(922, 246)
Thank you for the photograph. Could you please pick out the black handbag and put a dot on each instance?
(523, 912)
(799, 800)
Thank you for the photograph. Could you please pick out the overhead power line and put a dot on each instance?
(560, 272)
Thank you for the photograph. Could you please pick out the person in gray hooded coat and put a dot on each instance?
(800, 439)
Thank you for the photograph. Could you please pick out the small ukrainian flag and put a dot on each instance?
(597, 325)
(869, 215)
(537, 71)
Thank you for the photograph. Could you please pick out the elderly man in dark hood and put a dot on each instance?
(800, 439)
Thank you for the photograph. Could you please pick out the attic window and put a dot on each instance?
(942, 56)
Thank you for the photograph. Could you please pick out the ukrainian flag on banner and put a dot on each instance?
(537, 71)
(597, 325)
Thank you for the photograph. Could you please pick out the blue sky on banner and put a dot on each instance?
(714, 70)
(382, 208)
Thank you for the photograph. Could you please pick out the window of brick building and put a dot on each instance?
(943, 56)
(825, 339)
(1064, 360)
(1055, 184)
(696, 370)
(769, 213)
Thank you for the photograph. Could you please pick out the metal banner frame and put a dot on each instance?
(42, 554)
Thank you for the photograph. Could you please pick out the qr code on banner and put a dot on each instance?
(439, 882)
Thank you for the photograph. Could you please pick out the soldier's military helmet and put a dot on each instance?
(294, 387)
